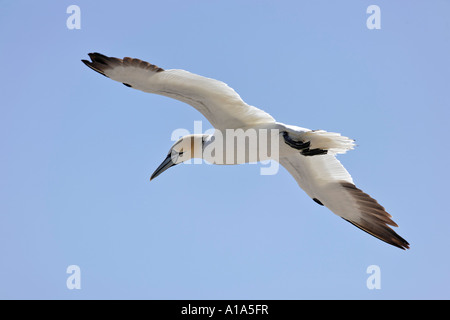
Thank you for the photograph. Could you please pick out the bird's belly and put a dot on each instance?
(243, 146)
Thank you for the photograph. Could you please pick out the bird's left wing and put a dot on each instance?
(219, 103)
(328, 183)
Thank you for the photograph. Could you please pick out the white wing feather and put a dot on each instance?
(326, 181)
(219, 103)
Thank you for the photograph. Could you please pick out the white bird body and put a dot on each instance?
(308, 155)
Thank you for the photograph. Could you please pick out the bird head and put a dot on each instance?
(188, 147)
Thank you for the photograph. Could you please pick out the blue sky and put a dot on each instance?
(77, 151)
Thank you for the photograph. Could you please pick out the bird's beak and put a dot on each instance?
(166, 164)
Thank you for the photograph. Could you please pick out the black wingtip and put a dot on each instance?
(88, 63)
(392, 237)
(99, 58)
(96, 55)
(91, 65)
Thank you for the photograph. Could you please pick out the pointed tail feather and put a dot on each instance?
(331, 141)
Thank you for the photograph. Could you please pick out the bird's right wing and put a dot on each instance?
(219, 103)
(328, 183)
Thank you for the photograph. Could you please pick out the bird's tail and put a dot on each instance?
(333, 142)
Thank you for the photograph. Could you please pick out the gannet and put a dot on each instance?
(308, 155)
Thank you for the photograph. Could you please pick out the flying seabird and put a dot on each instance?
(308, 155)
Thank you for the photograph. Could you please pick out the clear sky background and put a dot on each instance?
(77, 151)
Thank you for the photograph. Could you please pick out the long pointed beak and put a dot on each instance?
(166, 164)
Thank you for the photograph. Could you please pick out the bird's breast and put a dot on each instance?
(246, 145)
